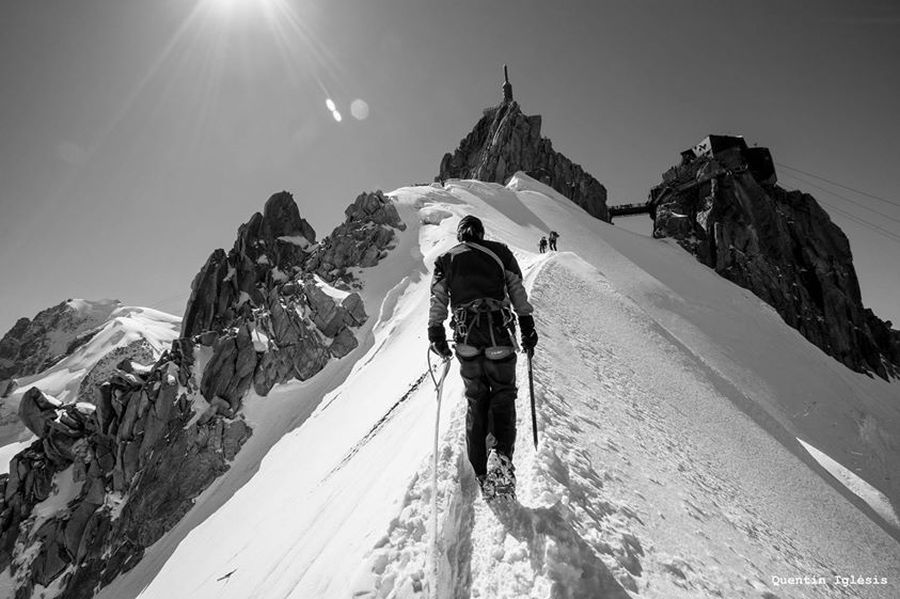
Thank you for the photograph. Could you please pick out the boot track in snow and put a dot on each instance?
(507, 549)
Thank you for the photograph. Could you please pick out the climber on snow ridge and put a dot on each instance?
(481, 281)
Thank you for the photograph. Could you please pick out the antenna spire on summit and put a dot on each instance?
(507, 87)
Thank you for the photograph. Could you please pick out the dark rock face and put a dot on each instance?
(269, 247)
(780, 245)
(31, 346)
(362, 240)
(505, 141)
(211, 294)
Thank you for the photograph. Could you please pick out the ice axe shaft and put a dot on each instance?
(530, 354)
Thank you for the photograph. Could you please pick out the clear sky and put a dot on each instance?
(136, 135)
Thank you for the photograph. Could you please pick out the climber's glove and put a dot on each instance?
(529, 335)
(437, 337)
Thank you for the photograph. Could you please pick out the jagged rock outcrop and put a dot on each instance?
(272, 318)
(362, 240)
(37, 410)
(722, 205)
(139, 351)
(212, 292)
(269, 248)
(31, 346)
(506, 141)
(151, 438)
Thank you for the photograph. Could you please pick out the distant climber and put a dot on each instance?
(553, 237)
(542, 245)
(482, 282)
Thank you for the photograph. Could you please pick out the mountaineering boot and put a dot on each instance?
(505, 478)
(500, 479)
(486, 485)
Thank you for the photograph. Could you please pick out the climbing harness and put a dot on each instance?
(470, 315)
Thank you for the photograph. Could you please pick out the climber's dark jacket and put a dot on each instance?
(462, 276)
(466, 273)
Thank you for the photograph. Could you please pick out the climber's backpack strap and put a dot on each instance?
(481, 248)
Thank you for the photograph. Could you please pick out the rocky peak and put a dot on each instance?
(269, 248)
(505, 141)
(279, 233)
(281, 218)
(32, 345)
(722, 204)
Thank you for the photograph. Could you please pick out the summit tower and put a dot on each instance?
(505, 141)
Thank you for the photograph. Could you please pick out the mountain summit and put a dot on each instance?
(505, 141)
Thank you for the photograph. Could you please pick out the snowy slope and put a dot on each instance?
(790, 388)
(670, 404)
(87, 314)
(122, 326)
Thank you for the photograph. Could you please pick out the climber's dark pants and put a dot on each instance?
(491, 395)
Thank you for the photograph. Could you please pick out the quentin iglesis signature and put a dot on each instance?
(835, 580)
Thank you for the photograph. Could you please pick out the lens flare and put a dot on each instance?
(359, 108)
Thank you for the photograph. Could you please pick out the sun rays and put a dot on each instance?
(223, 41)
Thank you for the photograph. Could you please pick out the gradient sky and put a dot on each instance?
(137, 135)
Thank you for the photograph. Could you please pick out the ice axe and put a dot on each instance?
(530, 353)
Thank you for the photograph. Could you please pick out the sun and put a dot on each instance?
(231, 7)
